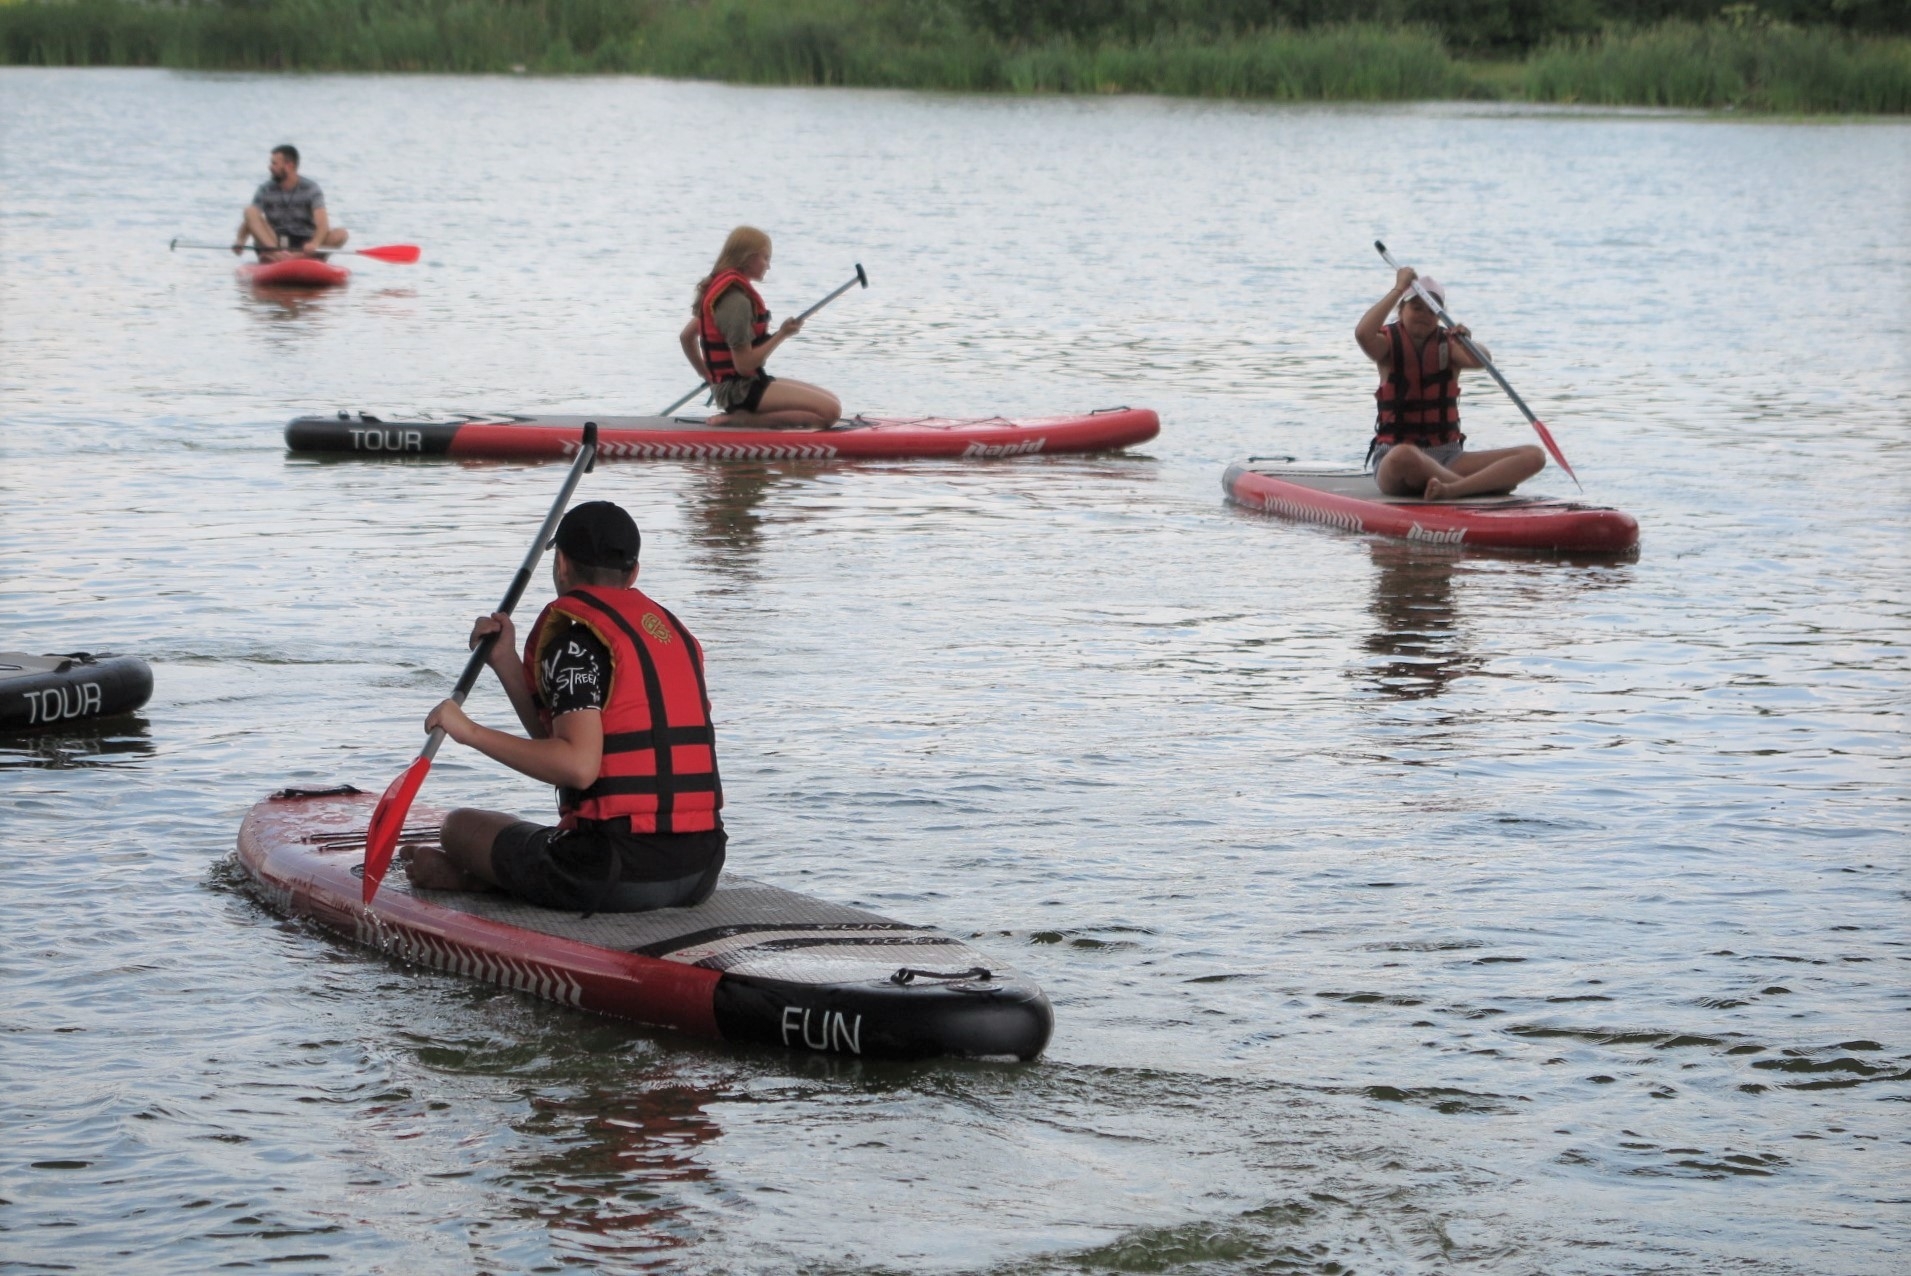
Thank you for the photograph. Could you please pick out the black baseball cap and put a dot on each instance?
(599, 534)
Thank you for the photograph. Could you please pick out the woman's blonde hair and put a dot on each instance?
(742, 243)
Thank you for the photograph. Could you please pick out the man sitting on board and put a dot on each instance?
(287, 214)
(610, 687)
(1417, 449)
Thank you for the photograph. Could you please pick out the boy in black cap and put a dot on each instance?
(610, 687)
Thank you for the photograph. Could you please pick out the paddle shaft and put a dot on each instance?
(586, 457)
(860, 278)
(1479, 356)
(402, 253)
(388, 816)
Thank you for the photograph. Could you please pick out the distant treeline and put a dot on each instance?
(1784, 55)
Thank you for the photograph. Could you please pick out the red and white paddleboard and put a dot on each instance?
(294, 272)
(751, 963)
(1350, 499)
(511, 437)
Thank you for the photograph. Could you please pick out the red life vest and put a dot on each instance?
(1419, 397)
(660, 750)
(716, 350)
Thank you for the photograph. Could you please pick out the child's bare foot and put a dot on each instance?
(430, 869)
(1436, 490)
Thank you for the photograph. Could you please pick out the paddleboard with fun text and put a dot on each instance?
(753, 963)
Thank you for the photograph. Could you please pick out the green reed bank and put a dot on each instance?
(1796, 56)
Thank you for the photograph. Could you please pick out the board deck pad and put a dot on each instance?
(753, 962)
(745, 925)
(1348, 498)
(1360, 485)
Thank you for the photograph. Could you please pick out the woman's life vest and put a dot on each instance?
(660, 750)
(716, 350)
(1419, 397)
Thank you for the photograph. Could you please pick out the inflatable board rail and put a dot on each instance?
(1350, 499)
(751, 963)
(42, 691)
(294, 272)
(507, 437)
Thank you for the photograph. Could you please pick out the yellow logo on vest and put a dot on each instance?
(655, 627)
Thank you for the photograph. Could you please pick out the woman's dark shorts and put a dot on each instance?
(606, 868)
(752, 398)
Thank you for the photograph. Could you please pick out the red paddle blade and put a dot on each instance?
(1546, 437)
(403, 254)
(388, 818)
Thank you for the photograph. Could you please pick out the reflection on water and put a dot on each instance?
(1552, 937)
(274, 305)
(107, 743)
(725, 510)
(1417, 639)
(612, 1184)
(725, 521)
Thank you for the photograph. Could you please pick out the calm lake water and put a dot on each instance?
(1403, 910)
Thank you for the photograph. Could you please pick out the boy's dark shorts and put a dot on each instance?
(606, 868)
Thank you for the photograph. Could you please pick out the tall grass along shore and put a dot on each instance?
(1806, 56)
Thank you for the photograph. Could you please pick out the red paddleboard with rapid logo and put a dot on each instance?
(295, 272)
(1350, 499)
(751, 963)
(508, 437)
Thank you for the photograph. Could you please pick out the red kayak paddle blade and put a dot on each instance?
(388, 818)
(402, 254)
(1546, 437)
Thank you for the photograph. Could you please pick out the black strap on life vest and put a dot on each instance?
(662, 736)
(1438, 397)
(717, 355)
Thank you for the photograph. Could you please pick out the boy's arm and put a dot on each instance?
(570, 757)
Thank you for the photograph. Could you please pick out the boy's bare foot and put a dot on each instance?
(430, 869)
(1436, 490)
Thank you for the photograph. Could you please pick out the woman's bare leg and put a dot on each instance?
(1493, 471)
(1406, 470)
(788, 404)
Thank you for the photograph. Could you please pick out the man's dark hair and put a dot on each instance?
(290, 152)
(602, 577)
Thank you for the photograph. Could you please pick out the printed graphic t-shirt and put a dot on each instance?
(574, 673)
